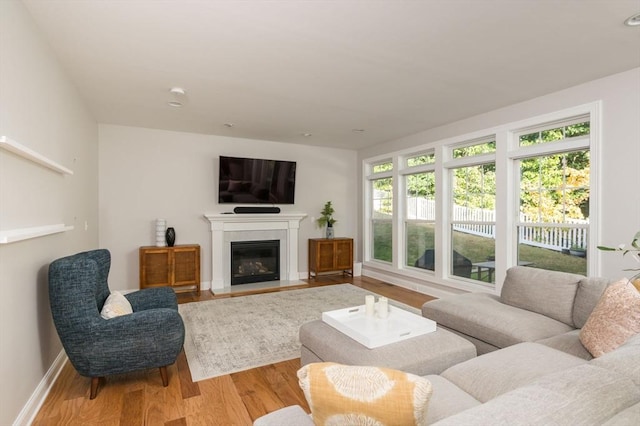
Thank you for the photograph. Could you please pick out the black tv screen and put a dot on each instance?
(255, 181)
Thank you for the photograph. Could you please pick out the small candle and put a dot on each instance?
(383, 307)
(369, 305)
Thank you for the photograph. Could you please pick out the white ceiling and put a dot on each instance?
(278, 69)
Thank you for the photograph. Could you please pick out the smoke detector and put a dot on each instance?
(178, 95)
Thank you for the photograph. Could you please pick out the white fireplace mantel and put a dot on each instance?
(245, 227)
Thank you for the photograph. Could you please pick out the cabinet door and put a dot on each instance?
(344, 254)
(325, 256)
(155, 267)
(186, 265)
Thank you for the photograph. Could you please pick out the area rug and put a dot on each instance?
(224, 336)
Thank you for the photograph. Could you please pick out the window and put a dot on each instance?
(382, 167)
(421, 159)
(381, 213)
(474, 149)
(473, 218)
(420, 211)
(553, 216)
(459, 212)
(559, 133)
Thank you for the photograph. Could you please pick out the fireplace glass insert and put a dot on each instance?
(255, 261)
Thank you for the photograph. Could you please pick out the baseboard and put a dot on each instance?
(420, 287)
(31, 408)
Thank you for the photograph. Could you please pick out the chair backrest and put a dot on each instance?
(77, 291)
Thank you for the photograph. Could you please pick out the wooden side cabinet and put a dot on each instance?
(329, 255)
(177, 267)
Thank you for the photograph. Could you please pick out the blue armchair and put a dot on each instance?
(151, 337)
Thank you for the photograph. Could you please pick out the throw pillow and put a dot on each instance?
(355, 395)
(615, 319)
(115, 306)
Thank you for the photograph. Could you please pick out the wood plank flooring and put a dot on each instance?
(235, 399)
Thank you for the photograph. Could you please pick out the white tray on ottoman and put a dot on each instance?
(374, 332)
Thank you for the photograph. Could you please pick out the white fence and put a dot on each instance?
(551, 236)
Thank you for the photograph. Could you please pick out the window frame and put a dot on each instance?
(405, 171)
(369, 177)
(505, 156)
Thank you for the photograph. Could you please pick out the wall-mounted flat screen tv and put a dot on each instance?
(255, 181)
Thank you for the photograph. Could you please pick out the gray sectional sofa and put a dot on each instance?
(534, 305)
(533, 368)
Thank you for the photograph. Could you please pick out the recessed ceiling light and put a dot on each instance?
(175, 104)
(633, 21)
(357, 130)
(229, 125)
(306, 135)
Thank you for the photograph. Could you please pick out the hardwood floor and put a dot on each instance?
(235, 399)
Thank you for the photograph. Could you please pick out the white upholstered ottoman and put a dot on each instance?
(430, 353)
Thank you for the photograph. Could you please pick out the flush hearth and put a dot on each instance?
(255, 261)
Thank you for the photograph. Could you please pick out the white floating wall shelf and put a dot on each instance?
(29, 154)
(14, 235)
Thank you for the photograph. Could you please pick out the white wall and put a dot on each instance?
(620, 152)
(39, 108)
(147, 174)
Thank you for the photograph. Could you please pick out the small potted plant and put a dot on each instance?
(326, 219)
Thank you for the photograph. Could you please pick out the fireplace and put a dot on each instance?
(255, 261)
(228, 228)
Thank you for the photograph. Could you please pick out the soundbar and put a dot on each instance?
(250, 210)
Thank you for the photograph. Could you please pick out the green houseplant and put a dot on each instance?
(634, 250)
(326, 219)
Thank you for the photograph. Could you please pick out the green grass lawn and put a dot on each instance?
(477, 249)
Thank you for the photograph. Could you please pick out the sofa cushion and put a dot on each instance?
(486, 318)
(447, 399)
(568, 342)
(496, 373)
(625, 360)
(625, 417)
(589, 292)
(614, 320)
(364, 395)
(582, 395)
(550, 293)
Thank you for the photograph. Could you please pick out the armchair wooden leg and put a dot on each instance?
(165, 376)
(95, 381)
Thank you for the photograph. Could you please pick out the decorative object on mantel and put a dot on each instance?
(161, 228)
(170, 236)
(326, 219)
(635, 254)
